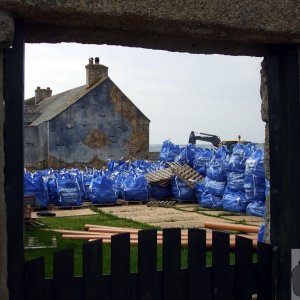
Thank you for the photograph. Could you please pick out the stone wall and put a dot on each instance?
(265, 118)
(3, 239)
(236, 27)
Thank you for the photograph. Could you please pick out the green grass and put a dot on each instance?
(77, 223)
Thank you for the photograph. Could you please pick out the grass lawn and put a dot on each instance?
(77, 223)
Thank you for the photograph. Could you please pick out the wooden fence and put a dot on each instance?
(221, 281)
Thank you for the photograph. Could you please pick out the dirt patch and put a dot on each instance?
(56, 164)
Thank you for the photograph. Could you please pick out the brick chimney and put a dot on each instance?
(41, 94)
(95, 71)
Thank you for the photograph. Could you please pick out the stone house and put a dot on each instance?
(83, 126)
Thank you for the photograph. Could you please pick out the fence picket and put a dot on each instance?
(221, 281)
(92, 270)
(63, 276)
(264, 266)
(34, 279)
(243, 268)
(221, 275)
(147, 264)
(198, 275)
(171, 263)
(120, 266)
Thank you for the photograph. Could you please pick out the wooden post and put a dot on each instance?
(13, 170)
(284, 121)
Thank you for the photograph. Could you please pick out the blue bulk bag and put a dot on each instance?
(234, 201)
(201, 161)
(135, 188)
(214, 187)
(181, 190)
(261, 233)
(218, 166)
(51, 189)
(119, 165)
(86, 179)
(160, 192)
(140, 166)
(235, 181)
(102, 190)
(255, 187)
(169, 151)
(68, 191)
(188, 154)
(257, 208)
(240, 154)
(199, 190)
(34, 186)
(211, 201)
(118, 179)
(255, 164)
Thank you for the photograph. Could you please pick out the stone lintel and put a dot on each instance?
(237, 27)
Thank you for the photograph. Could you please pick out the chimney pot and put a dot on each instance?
(91, 61)
(95, 72)
(41, 94)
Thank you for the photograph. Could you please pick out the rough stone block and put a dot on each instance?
(264, 93)
(267, 152)
(6, 30)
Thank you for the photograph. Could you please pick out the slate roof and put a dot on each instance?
(50, 107)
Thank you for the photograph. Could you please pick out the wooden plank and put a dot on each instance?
(198, 277)
(13, 161)
(147, 264)
(63, 275)
(243, 268)
(171, 263)
(120, 266)
(105, 287)
(134, 287)
(264, 266)
(222, 289)
(49, 290)
(92, 270)
(231, 227)
(284, 131)
(34, 279)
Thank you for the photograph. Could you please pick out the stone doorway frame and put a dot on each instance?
(282, 68)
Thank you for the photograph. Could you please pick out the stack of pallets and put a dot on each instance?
(184, 172)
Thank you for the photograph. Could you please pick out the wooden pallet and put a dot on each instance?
(186, 174)
(117, 203)
(160, 177)
(134, 202)
(55, 207)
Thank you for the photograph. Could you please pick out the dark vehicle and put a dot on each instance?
(214, 139)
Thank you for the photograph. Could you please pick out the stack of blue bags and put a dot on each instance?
(234, 198)
(215, 180)
(255, 185)
(233, 182)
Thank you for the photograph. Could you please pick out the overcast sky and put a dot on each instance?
(178, 92)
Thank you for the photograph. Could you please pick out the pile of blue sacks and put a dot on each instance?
(232, 181)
